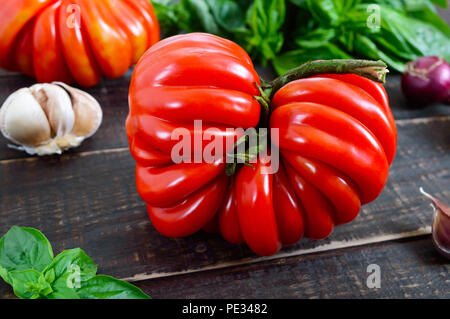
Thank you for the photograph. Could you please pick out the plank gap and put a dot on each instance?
(332, 246)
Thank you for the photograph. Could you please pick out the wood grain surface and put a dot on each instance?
(87, 198)
(408, 269)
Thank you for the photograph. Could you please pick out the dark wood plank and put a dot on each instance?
(89, 200)
(113, 96)
(409, 269)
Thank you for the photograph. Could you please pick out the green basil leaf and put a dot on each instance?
(317, 38)
(65, 287)
(229, 14)
(292, 59)
(4, 274)
(441, 3)
(424, 39)
(326, 11)
(266, 17)
(29, 284)
(330, 12)
(198, 17)
(68, 271)
(300, 3)
(71, 261)
(24, 248)
(366, 47)
(106, 287)
(400, 37)
(166, 12)
(422, 10)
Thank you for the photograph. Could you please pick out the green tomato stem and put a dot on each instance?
(373, 70)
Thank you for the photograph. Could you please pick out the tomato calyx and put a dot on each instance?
(264, 100)
(250, 153)
(373, 70)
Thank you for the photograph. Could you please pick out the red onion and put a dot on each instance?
(427, 80)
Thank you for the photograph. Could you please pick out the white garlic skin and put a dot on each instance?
(47, 119)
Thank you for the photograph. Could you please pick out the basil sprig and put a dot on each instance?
(28, 265)
(291, 32)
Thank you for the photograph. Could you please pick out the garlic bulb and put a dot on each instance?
(440, 226)
(48, 118)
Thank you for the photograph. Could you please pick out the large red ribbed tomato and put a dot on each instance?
(337, 138)
(75, 40)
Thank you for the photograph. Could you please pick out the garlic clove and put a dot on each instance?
(56, 103)
(440, 226)
(22, 119)
(88, 113)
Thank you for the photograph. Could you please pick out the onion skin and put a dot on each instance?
(427, 80)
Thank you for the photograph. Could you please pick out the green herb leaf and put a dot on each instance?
(266, 17)
(29, 284)
(23, 248)
(65, 287)
(229, 15)
(166, 12)
(317, 38)
(27, 263)
(441, 3)
(292, 59)
(422, 10)
(106, 287)
(72, 260)
(424, 39)
(369, 49)
(68, 271)
(326, 11)
(200, 13)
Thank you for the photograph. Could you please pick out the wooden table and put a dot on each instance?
(87, 198)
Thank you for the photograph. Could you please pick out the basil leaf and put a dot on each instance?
(167, 16)
(292, 59)
(24, 248)
(400, 38)
(29, 284)
(65, 287)
(198, 16)
(70, 261)
(368, 48)
(67, 272)
(318, 37)
(300, 3)
(441, 3)
(422, 10)
(423, 38)
(106, 287)
(229, 15)
(4, 274)
(266, 17)
(326, 11)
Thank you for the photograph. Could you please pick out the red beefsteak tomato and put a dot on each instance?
(337, 138)
(75, 40)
